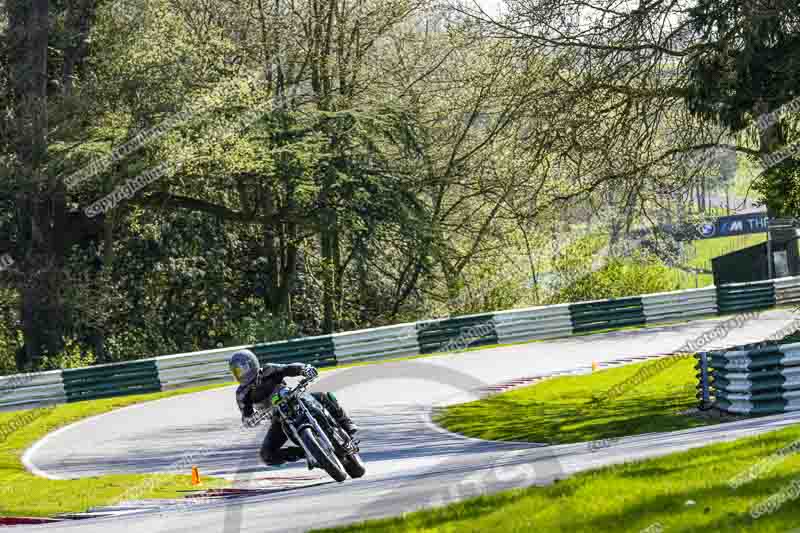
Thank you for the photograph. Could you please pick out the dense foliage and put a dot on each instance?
(324, 165)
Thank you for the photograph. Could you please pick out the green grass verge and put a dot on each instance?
(631, 497)
(561, 410)
(23, 494)
(689, 280)
(702, 251)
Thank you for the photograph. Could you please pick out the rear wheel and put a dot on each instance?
(354, 466)
(327, 461)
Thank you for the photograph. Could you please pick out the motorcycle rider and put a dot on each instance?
(256, 386)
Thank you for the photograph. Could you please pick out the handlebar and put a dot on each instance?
(262, 414)
(301, 386)
(259, 416)
(305, 382)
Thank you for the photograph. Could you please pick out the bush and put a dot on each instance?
(618, 278)
(268, 328)
(72, 356)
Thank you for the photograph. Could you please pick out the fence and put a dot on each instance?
(425, 337)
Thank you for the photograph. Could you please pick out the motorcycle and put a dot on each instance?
(309, 425)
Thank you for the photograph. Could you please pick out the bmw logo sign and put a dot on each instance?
(707, 229)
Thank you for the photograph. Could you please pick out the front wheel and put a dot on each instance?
(326, 461)
(354, 465)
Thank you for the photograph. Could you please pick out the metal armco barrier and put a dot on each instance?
(451, 334)
(746, 296)
(753, 379)
(787, 291)
(377, 343)
(194, 368)
(135, 377)
(24, 391)
(605, 314)
(317, 351)
(678, 305)
(521, 325)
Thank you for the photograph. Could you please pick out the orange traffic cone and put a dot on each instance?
(594, 366)
(195, 476)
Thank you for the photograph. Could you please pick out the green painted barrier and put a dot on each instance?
(317, 351)
(451, 334)
(745, 296)
(606, 314)
(106, 381)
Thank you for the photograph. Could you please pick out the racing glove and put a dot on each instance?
(310, 372)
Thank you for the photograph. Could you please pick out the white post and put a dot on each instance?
(769, 252)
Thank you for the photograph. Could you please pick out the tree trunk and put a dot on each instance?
(289, 271)
(338, 273)
(290, 258)
(270, 281)
(613, 238)
(328, 242)
(41, 208)
(727, 199)
(272, 296)
(703, 194)
(79, 21)
(363, 287)
(698, 199)
(97, 338)
(769, 139)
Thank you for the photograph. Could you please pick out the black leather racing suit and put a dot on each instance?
(260, 390)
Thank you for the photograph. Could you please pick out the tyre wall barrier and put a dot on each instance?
(753, 379)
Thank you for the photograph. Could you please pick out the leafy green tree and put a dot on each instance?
(745, 69)
(44, 51)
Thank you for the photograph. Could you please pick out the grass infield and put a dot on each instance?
(24, 494)
(687, 492)
(749, 485)
(627, 400)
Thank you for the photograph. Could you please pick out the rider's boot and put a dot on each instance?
(289, 454)
(294, 453)
(338, 413)
(348, 425)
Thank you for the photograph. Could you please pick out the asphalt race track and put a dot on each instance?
(411, 464)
